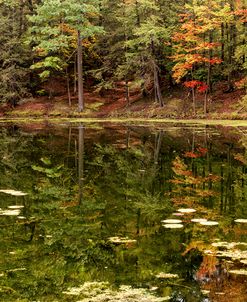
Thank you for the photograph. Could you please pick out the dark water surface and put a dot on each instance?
(92, 217)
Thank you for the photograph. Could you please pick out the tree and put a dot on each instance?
(14, 73)
(55, 26)
(194, 47)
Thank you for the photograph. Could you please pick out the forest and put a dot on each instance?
(184, 58)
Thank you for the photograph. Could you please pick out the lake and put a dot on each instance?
(123, 212)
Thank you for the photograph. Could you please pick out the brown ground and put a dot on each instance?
(112, 103)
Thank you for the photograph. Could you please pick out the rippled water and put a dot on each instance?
(123, 213)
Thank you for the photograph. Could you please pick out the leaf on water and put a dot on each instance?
(166, 275)
(224, 244)
(233, 254)
(178, 214)
(20, 269)
(209, 223)
(241, 220)
(186, 210)
(173, 226)
(198, 220)
(16, 207)
(244, 261)
(228, 245)
(173, 221)
(238, 272)
(10, 212)
(13, 192)
(205, 291)
(121, 240)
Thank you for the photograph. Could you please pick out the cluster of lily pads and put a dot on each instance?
(101, 292)
(177, 223)
(230, 250)
(13, 210)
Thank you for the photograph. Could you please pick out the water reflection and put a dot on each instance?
(98, 204)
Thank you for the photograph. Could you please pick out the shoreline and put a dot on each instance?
(88, 120)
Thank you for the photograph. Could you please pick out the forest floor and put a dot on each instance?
(112, 104)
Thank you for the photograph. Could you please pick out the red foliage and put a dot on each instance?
(215, 61)
(191, 155)
(192, 84)
(200, 152)
(203, 87)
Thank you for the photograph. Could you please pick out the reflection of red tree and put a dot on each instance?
(200, 152)
(207, 268)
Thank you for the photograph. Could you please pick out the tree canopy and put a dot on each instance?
(149, 45)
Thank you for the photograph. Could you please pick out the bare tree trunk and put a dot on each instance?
(157, 91)
(80, 77)
(127, 93)
(137, 13)
(68, 87)
(222, 42)
(206, 103)
(75, 75)
(194, 100)
(209, 82)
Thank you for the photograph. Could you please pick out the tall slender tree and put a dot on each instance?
(52, 40)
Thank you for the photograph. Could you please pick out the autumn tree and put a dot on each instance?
(196, 48)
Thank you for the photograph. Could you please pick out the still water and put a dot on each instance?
(123, 213)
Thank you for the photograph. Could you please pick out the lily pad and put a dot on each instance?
(166, 275)
(13, 192)
(228, 245)
(173, 226)
(209, 223)
(186, 210)
(198, 220)
(16, 207)
(121, 240)
(172, 221)
(233, 254)
(238, 272)
(10, 212)
(241, 220)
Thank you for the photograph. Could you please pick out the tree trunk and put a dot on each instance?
(127, 94)
(222, 42)
(80, 78)
(137, 13)
(157, 91)
(209, 82)
(194, 100)
(68, 87)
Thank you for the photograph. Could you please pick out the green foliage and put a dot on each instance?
(14, 73)
(54, 30)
